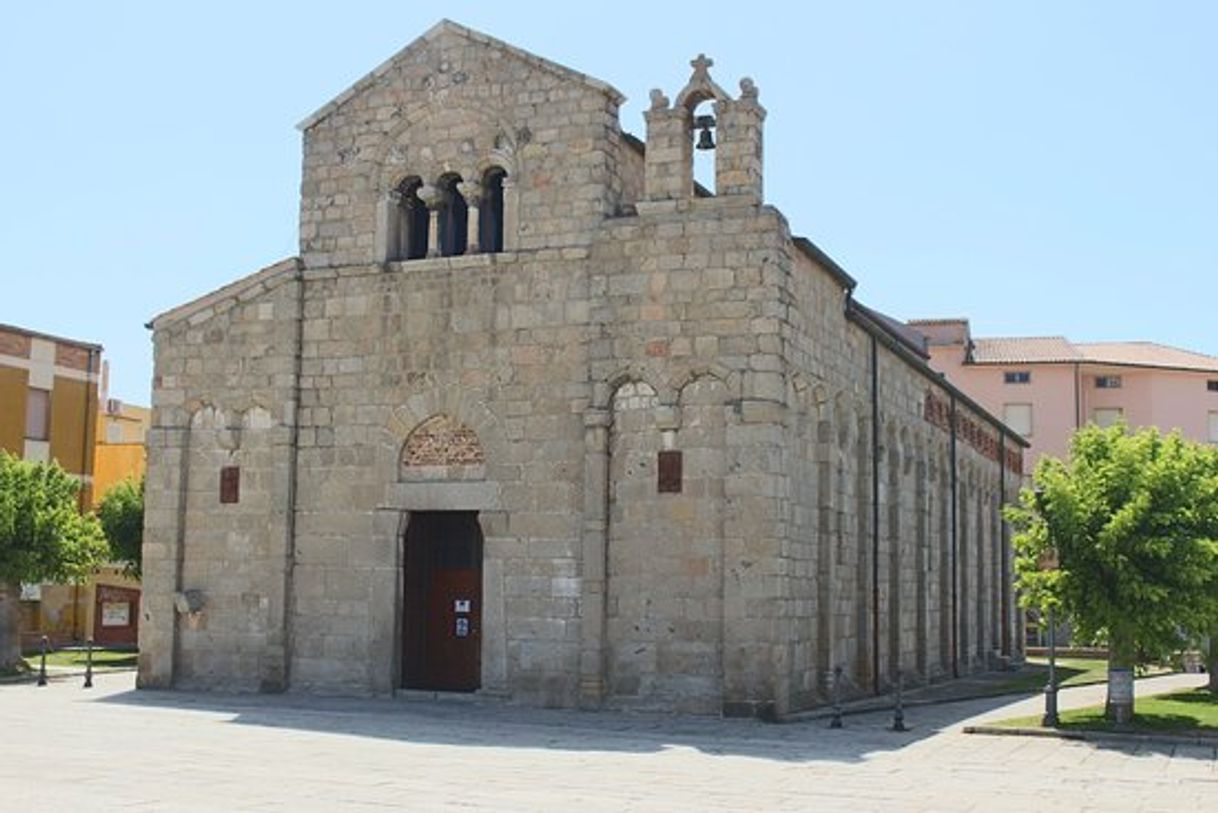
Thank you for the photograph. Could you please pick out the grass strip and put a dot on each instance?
(1194, 711)
(1070, 672)
(77, 658)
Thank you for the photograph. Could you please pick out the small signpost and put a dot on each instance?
(42, 665)
(88, 663)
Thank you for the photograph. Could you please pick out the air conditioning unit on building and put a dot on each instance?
(113, 406)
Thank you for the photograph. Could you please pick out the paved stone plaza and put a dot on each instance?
(112, 748)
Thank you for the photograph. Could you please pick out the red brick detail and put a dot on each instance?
(14, 344)
(75, 358)
(938, 412)
(657, 348)
(442, 441)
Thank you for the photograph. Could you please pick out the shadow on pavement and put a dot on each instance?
(492, 724)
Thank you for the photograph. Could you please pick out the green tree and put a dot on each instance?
(121, 512)
(1133, 521)
(43, 538)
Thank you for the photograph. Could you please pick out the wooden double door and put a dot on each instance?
(442, 602)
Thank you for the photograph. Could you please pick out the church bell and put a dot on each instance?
(705, 140)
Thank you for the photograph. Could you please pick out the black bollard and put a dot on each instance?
(88, 663)
(836, 720)
(898, 712)
(42, 666)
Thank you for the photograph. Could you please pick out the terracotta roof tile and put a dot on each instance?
(1146, 354)
(1024, 350)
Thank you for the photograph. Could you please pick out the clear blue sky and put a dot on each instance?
(1040, 167)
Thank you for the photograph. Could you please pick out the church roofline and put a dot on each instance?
(230, 291)
(866, 318)
(816, 255)
(477, 36)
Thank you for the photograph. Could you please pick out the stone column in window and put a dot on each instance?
(472, 192)
(389, 233)
(433, 199)
(511, 208)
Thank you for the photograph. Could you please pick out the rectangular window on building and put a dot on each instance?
(1212, 385)
(1017, 377)
(1107, 382)
(1018, 417)
(37, 414)
(1214, 427)
(1107, 416)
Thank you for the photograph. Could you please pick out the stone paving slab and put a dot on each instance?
(112, 748)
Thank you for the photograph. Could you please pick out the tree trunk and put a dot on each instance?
(1121, 659)
(10, 626)
(1211, 658)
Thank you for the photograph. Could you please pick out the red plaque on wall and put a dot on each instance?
(230, 484)
(668, 479)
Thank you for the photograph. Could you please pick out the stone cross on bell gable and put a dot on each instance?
(701, 66)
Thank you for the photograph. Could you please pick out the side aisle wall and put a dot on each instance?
(880, 581)
(217, 546)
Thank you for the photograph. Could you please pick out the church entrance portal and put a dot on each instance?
(442, 602)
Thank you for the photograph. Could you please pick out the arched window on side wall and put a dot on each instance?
(408, 233)
(454, 217)
(490, 223)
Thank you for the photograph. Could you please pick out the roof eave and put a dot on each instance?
(814, 253)
(858, 315)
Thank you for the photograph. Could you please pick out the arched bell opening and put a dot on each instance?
(703, 131)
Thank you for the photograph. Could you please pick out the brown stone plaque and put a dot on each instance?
(230, 484)
(668, 479)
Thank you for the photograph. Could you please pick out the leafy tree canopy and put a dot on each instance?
(43, 535)
(121, 512)
(1133, 520)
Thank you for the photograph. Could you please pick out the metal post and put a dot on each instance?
(89, 663)
(1050, 718)
(42, 666)
(898, 713)
(836, 720)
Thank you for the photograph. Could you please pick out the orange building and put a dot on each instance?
(49, 400)
(121, 431)
(53, 406)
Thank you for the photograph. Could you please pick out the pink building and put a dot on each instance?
(1046, 387)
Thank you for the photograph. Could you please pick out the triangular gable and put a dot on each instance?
(449, 27)
(233, 290)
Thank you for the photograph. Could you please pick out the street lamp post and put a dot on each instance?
(1050, 718)
(1049, 562)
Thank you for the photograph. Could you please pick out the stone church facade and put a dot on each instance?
(535, 415)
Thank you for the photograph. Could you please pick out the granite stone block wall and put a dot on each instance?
(705, 478)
